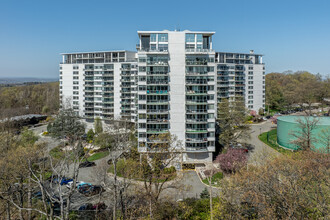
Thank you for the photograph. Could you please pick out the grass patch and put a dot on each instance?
(215, 180)
(98, 155)
(57, 153)
(272, 141)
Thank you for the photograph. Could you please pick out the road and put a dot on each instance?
(50, 142)
(261, 151)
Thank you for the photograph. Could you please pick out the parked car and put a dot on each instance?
(87, 206)
(90, 190)
(99, 206)
(240, 147)
(58, 179)
(87, 164)
(70, 184)
(82, 184)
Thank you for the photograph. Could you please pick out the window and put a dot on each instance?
(250, 97)
(162, 37)
(250, 82)
(75, 72)
(75, 97)
(250, 67)
(250, 102)
(75, 82)
(142, 125)
(75, 93)
(152, 46)
(250, 73)
(76, 87)
(190, 38)
(75, 102)
(190, 46)
(142, 59)
(152, 37)
(142, 78)
(250, 92)
(75, 67)
(250, 106)
(250, 77)
(76, 77)
(142, 97)
(250, 87)
(162, 47)
(199, 37)
(142, 68)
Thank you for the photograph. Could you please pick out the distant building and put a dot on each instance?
(172, 83)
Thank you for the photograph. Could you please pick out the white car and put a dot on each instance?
(70, 184)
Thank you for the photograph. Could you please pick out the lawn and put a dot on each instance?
(98, 155)
(272, 141)
(215, 180)
(57, 153)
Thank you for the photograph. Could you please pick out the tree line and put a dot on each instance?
(284, 90)
(29, 99)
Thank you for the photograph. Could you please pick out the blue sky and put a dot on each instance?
(293, 35)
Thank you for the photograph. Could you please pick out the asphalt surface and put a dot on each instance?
(188, 185)
(261, 151)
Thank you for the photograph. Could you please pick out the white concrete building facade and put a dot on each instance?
(173, 83)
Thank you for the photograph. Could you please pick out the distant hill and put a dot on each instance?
(25, 80)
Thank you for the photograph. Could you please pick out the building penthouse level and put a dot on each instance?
(173, 83)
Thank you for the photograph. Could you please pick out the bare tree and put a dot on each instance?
(117, 138)
(304, 135)
(163, 151)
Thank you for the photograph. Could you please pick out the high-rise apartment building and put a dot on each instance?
(173, 83)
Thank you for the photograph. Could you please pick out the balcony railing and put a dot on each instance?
(196, 140)
(196, 50)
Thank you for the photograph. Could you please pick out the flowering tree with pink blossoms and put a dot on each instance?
(232, 160)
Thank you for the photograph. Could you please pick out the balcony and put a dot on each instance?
(200, 111)
(154, 111)
(197, 50)
(191, 92)
(201, 102)
(196, 140)
(196, 149)
(157, 131)
(190, 130)
(196, 121)
(157, 121)
(197, 82)
(157, 102)
(154, 82)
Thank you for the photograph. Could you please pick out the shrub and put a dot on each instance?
(169, 170)
(90, 135)
(205, 194)
(232, 161)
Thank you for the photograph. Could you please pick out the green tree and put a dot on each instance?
(98, 126)
(232, 121)
(205, 194)
(27, 137)
(67, 124)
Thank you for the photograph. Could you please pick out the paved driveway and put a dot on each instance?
(261, 151)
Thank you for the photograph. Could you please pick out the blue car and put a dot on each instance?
(64, 180)
(81, 184)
